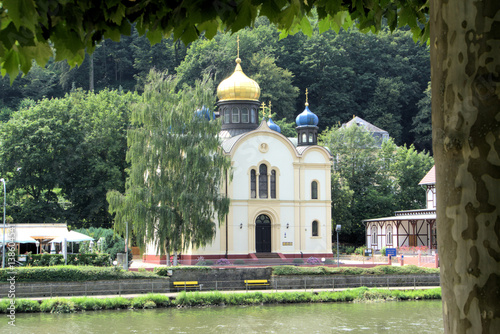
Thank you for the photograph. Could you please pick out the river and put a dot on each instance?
(372, 317)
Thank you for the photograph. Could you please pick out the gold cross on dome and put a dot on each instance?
(263, 107)
(270, 109)
(307, 92)
(238, 45)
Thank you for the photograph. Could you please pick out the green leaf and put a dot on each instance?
(11, 65)
(210, 28)
(305, 25)
(324, 25)
(154, 36)
(22, 13)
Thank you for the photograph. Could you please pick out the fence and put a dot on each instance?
(308, 282)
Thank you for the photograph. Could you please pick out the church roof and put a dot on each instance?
(430, 177)
(361, 122)
(227, 145)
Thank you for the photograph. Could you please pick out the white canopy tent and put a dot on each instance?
(72, 236)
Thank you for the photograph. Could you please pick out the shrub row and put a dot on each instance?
(378, 270)
(68, 305)
(40, 260)
(70, 274)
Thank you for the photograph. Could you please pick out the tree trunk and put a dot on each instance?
(465, 61)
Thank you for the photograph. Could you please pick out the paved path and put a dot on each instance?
(174, 294)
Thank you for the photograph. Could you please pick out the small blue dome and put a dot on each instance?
(205, 113)
(307, 118)
(273, 126)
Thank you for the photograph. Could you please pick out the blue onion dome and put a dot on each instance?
(204, 113)
(273, 126)
(307, 118)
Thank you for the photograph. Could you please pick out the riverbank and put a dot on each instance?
(214, 298)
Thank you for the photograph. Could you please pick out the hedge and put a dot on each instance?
(70, 274)
(378, 270)
(40, 260)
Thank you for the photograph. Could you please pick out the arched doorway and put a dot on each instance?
(263, 234)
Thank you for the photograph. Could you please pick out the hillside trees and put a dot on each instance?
(62, 155)
(172, 196)
(369, 181)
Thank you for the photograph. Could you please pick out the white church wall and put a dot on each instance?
(315, 243)
(314, 157)
(287, 235)
(239, 235)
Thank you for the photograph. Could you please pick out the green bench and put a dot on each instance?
(186, 284)
(255, 282)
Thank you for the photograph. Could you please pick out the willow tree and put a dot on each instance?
(172, 198)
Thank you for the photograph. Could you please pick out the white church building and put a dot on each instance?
(280, 191)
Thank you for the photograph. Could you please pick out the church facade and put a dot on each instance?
(280, 188)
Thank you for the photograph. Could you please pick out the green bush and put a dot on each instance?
(112, 245)
(70, 273)
(330, 261)
(42, 260)
(239, 262)
(382, 251)
(360, 250)
(378, 270)
(27, 305)
(298, 261)
(58, 305)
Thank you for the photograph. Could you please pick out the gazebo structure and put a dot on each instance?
(411, 228)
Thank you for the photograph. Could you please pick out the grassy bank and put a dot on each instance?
(76, 304)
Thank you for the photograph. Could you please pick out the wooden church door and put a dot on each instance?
(263, 234)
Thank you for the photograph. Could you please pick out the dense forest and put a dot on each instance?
(64, 130)
(382, 78)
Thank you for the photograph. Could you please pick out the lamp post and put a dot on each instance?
(338, 230)
(125, 265)
(37, 243)
(3, 240)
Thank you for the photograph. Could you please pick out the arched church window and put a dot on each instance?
(227, 116)
(314, 228)
(314, 190)
(304, 138)
(263, 181)
(235, 115)
(389, 235)
(273, 184)
(310, 137)
(253, 184)
(244, 115)
(253, 117)
(374, 235)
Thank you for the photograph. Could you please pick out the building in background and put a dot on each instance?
(410, 228)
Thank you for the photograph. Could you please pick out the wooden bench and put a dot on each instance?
(186, 284)
(255, 282)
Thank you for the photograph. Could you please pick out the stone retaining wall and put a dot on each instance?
(90, 288)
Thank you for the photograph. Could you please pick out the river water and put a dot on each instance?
(374, 317)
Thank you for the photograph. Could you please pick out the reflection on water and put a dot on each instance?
(379, 317)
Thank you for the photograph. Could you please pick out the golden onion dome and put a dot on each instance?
(238, 86)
